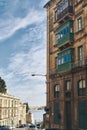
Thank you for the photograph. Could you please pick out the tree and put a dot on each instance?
(2, 86)
(27, 107)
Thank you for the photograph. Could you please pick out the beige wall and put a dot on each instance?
(10, 110)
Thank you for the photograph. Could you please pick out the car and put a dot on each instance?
(11, 127)
(38, 126)
(32, 127)
(21, 126)
(4, 128)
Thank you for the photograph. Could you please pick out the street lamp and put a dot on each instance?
(47, 111)
(38, 75)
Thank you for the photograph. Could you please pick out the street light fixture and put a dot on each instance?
(38, 75)
(46, 108)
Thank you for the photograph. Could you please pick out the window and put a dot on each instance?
(80, 52)
(56, 62)
(68, 89)
(63, 4)
(79, 23)
(68, 85)
(56, 15)
(64, 57)
(80, 55)
(56, 91)
(81, 88)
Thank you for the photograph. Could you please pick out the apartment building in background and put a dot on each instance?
(30, 118)
(11, 111)
(22, 113)
(66, 64)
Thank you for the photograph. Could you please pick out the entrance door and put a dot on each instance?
(68, 115)
(82, 115)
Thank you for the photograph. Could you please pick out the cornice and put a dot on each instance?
(49, 3)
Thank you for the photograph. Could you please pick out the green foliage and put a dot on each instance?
(42, 125)
(27, 107)
(2, 86)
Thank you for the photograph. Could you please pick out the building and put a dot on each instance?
(22, 114)
(30, 118)
(10, 111)
(66, 64)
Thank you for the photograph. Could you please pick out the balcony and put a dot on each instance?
(68, 94)
(66, 39)
(64, 67)
(60, 69)
(74, 66)
(65, 14)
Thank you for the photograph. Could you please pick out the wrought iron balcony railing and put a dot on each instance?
(70, 66)
(66, 12)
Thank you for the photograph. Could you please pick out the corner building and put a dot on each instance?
(66, 64)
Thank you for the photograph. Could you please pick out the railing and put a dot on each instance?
(68, 10)
(68, 66)
(79, 63)
(67, 94)
(65, 39)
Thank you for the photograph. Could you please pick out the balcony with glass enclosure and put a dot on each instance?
(64, 10)
(65, 60)
(65, 34)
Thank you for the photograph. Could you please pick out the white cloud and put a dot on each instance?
(23, 63)
(18, 77)
(11, 25)
(43, 2)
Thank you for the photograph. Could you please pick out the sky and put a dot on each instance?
(23, 49)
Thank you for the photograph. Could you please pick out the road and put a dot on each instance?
(21, 129)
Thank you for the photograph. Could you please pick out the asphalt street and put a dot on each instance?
(21, 129)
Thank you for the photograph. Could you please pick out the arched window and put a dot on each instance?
(82, 88)
(56, 90)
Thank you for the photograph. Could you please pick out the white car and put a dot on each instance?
(11, 127)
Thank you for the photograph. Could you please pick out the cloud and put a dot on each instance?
(24, 63)
(28, 55)
(42, 3)
(11, 25)
(18, 77)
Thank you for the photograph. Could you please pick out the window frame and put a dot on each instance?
(56, 90)
(82, 87)
(79, 21)
(68, 85)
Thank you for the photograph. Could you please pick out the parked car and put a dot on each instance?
(11, 127)
(4, 128)
(32, 127)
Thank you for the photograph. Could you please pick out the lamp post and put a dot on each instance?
(47, 113)
(38, 75)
